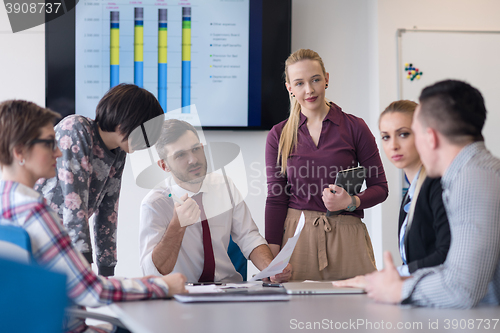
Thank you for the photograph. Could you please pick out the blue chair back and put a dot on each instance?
(16, 236)
(33, 298)
(237, 258)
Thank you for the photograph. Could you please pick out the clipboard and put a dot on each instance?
(351, 180)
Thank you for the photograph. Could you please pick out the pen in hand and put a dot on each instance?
(187, 211)
(176, 198)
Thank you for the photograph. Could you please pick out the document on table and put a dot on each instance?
(213, 288)
(283, 257)
(236, 295)
(232, 292)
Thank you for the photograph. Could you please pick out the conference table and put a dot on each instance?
(355, 313)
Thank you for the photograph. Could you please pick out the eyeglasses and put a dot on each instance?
(49, 143)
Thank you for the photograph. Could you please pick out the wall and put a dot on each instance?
(442, 14)
(22, 56)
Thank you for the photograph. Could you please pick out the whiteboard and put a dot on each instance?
(471, 56)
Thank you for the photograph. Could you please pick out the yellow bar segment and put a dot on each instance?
(115, 47)
(186, 44)
(138, 43)
(162, 46)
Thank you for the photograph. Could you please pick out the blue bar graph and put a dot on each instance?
(114, 52)
(162, 58)
(139, 46)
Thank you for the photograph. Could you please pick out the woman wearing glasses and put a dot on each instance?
(89, 173)
(28, 151)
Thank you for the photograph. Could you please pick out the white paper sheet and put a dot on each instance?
(216, 288)
(283, 257)
(210, 288)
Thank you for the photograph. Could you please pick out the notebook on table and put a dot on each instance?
(233, 292)
(318, 288)
(240, 296)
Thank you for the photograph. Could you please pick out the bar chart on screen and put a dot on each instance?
(185, 53)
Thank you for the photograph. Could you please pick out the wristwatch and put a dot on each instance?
(352, 207)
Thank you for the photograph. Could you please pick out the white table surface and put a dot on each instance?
(354, 313)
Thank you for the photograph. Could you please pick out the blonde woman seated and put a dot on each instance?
(424, 232)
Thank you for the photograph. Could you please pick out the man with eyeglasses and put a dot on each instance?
(172, 239)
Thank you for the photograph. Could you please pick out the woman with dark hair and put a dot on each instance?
(28, 151)
(89, 173)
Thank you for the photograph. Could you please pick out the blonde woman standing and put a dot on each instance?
(303, 155)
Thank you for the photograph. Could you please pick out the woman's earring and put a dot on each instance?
(21, 162)
(326, 86)
(291, 94)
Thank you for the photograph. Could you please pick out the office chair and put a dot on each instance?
(15, 244)
(237, 258)
(219, 155)
(33, 298)
(18, 246)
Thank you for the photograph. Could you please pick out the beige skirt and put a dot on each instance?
(329, 248)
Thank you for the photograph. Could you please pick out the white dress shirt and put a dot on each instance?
(224, 221)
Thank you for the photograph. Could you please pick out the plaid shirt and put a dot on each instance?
(52, 248)
(471, 272)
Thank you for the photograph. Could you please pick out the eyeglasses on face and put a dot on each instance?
(49, 143)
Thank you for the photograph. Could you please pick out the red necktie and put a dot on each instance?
(208, 273)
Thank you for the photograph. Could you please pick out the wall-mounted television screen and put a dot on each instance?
(226, 57)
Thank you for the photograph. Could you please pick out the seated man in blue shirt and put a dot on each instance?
(447, 126)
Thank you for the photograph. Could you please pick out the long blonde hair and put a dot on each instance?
(288, 138)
